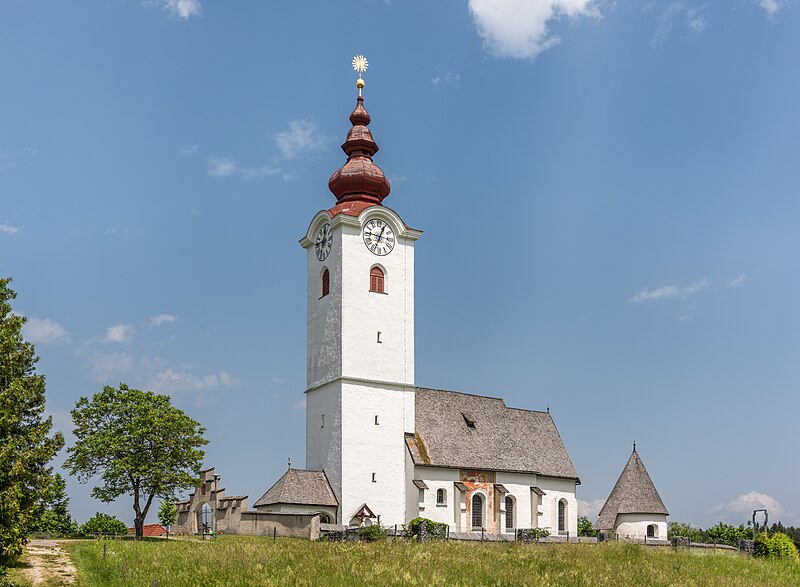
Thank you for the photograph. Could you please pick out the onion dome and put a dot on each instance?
(359, 183)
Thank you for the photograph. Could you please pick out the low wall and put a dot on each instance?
(281, 524)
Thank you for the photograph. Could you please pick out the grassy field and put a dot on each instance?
(254, 561)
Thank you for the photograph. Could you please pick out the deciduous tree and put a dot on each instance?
(167, 512)
(138, 443)
(26, 445)
(101, 523)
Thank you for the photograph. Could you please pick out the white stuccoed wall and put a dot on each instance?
(324, 443)
(556, 489)
(439, 478)
(635, 525)
(519, 487)
(351, 377)
(369, 449)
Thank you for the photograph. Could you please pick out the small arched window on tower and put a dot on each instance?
(376, 280)
(326, 283)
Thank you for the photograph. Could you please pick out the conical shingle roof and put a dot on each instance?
(634, 493)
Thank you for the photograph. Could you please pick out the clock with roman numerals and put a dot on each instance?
(324, 242)
(379, 237)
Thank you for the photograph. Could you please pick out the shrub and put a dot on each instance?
(779, 545)
(727, 534)
(532, 534)
(372, 533)
(675, 529)
(585, 527)
(425, 529)
(104, 524)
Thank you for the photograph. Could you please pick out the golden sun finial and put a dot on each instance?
(360, 64)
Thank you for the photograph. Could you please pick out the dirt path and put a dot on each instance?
(49, 565)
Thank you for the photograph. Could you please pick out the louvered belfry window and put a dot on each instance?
(477, 512)
(326, 283)
(376, 280)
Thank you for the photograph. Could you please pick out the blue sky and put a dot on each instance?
(608, 192)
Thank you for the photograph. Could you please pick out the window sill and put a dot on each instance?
(441, 505)
(383, 293)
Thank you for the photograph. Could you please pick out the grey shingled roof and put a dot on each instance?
(299, 486)
(634, 493)
(502, 438)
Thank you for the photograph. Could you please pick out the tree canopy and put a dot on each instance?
(138, 444)
(27, 445)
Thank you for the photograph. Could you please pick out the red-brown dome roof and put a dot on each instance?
(359, 180)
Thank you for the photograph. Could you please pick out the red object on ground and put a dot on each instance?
(150, 530)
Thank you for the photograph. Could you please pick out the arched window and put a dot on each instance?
(651, 531)
(562, 515)
(477, 512)
(205, 519)
(324, 518)
(326, 283)
(441, 496)
(509, 512)
(376, 280)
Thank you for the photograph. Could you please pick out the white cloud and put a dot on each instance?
(300, 405)
(6, 163)
(738, 281)
(184, 9)
(669, 291)
(44, 331)
(748, 502)
(123, 231)
(448, 77)
(519, 28)
(8, 229)
(154, 374)
(109, 368)
(250, 173)
(770, 6)
(188, 150)
(679, 13)
(301, 136)
(590, 509)
(183, 379)
(160, 319)
(279, 380)
(119, 333)
(221, 167)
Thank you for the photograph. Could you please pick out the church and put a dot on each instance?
(379, 448)
(388, 450)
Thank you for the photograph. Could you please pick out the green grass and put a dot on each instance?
(254, 561)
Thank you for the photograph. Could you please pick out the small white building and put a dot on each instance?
(634, 509)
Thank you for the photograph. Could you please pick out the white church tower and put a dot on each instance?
(360, 345)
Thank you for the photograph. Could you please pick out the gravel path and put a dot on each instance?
(49, 564)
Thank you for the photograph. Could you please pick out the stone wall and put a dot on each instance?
(229, 515)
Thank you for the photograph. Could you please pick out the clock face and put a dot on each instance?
(379, 237)
(324, 242)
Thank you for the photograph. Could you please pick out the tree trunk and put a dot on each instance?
(138, 520)
(138, 524)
